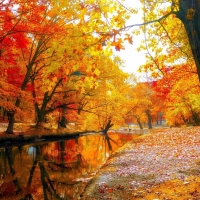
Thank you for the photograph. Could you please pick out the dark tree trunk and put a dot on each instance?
(12, 119)
(157, 121)
(40, 117)
(160, 115)
(109, 125)
(41, 112)
(63, 121)
(149, 118)
(195, 118)
(192, 27)
(10, 126)
(44, 110)
(139, 123)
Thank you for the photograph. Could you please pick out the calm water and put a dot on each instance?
(54, 170)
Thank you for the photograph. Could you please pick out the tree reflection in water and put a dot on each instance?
(54, 170)
(9, 156)
(53, 188)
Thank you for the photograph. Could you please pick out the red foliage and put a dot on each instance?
(162, 88)
(15, 78)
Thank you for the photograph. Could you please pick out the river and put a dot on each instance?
(55, 170)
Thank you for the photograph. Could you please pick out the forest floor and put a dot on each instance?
(162, 165)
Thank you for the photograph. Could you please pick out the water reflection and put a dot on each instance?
(54, 170)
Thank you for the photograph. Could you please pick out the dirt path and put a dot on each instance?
(163, 165)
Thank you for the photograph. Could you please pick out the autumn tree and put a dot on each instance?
(176, 86)
(135, 113)
(12, 40)
(144, 103)
(30, 56)
(106, 106)
(171, 42)
(182, 102)
(62, 38)
(170, 30)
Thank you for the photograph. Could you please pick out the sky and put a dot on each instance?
(133, 59)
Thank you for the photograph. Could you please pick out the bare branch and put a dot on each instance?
(157, 65)
(123, 6)
(172, 41)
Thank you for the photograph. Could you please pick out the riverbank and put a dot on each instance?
(26, 134)
(161, 165)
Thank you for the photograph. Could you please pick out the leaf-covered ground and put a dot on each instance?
(163, 165)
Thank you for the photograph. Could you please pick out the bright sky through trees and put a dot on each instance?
(132, 58)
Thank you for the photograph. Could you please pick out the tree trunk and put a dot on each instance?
(40, 117)
(157, 120)
(195, 118)
(149, 118)
(160, 115)
(109, 125)
(139, 123)
(11, 122)
(192, 27)
(17, 103)
(63, 121)
(10, 126)
(41, 112)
